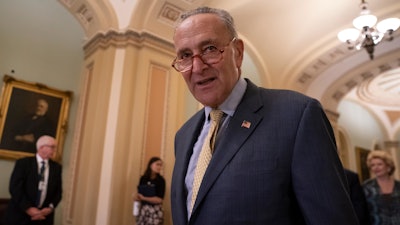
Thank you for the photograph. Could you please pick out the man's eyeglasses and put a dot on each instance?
(210, 55)
(50, 146)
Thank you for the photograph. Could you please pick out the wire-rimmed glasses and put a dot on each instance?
(210, 55)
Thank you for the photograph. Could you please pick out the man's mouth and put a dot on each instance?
(204, 82)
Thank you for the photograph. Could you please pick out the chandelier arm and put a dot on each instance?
(367, 32)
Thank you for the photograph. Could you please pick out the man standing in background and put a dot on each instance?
(35, 187)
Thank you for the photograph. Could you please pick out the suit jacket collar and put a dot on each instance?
(241, 125)
(184, 149)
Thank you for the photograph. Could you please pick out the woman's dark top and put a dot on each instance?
(152, 187)
(384, 208)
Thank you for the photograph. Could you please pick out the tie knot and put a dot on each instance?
(216, 115)
(43, 165)
(42, 169)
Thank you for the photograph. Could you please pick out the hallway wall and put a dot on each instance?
(27, 54)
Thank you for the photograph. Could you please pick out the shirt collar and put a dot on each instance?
(40, 159)
(230, 104)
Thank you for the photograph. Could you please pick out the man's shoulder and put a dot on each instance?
(54, 163)
(276, 94)
(283, 98)
(285, 94)
(351, 176)
(26, 159)
(350, 173)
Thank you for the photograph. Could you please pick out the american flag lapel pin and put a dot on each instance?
(246, 124)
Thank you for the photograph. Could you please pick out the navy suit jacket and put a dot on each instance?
(358, 197)
(24, 187)
(282, 169)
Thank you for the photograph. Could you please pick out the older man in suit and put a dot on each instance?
(274, 160)
(35, 187)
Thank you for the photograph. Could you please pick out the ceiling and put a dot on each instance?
(292, 44)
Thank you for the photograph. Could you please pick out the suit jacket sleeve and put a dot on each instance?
(318, 179)
(23, 183)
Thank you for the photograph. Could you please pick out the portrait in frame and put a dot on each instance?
(28, 111)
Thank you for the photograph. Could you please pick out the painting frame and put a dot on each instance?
(20, 101)
(361, 161)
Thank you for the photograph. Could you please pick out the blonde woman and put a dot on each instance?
(382, 191)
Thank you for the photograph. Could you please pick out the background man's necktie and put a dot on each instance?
(40, 185)
(206, 153)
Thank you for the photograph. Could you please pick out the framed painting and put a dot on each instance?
(361, 161)
(28, 111)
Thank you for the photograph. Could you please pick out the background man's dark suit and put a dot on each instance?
(358, 197)
(24, 187)
(266, 173)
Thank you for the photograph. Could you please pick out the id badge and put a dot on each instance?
(41, 185)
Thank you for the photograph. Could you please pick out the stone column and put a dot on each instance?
(131, 104)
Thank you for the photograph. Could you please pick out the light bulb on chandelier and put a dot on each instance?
(366, 34)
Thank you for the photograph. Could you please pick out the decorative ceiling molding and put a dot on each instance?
(122, 39)
(393, 116)
(169, 13)
(383, 90)
(363, 79)
(68, 3)
(84, 15)
(323, 62)
(191, 1)
(80, 10)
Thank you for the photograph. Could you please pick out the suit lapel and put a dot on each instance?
(51, 173)
(191, 132)
(241, 125)
(35, 169)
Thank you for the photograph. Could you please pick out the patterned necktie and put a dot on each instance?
(40, 187)
(206, 153)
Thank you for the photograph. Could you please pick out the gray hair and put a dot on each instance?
(44, 140)
(223, 15)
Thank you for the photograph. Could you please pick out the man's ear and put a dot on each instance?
(239, 51)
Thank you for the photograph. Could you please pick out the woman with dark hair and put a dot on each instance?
(151, 192)
(382, 191)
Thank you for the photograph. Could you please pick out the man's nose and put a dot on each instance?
(198, 63)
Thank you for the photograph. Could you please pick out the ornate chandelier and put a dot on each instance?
(366, 34)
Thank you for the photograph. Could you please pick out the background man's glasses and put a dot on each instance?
(210, 55)
(50, 146)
